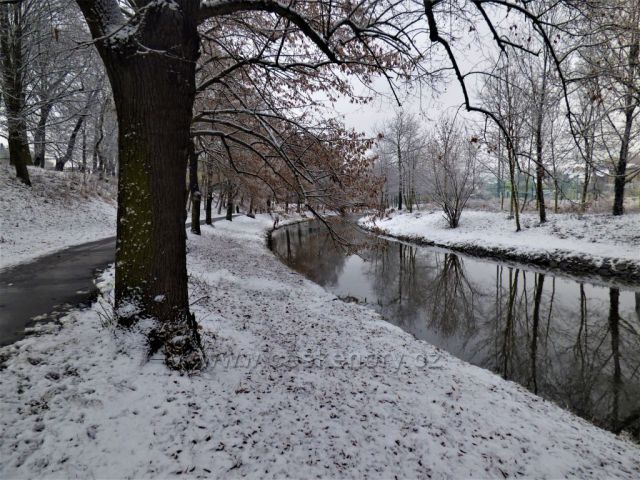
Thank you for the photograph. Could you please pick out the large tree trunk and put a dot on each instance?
(12, 71)
(154, 95)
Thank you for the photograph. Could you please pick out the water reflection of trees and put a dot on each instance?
(417, 290)
(586, 357)
(309, 250)
(577, 344)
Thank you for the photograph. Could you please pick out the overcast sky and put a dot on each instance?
(472, 52)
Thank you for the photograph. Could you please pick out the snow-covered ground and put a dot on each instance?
(299, 384)
(58, 211)
(601, 244)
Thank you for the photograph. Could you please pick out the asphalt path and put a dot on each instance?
(45, 289)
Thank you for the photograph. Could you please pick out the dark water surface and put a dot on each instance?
(571, 341)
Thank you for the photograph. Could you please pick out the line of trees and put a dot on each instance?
(566, 103)
(437, 164)
(571, 108)
(55, 97)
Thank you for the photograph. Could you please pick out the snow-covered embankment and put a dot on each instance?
(580, 244)
(60, 210)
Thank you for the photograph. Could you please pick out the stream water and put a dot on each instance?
(574, 342)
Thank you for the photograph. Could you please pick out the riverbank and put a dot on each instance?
(284, 392)
(591, 244)
(60, 210)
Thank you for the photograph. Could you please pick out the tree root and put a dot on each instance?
(182, 344)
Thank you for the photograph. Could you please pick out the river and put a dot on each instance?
(574, 342)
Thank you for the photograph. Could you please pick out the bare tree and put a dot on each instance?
(611, 54)
(14, 32)
(504, 98)
(402, 145)
(451, 160)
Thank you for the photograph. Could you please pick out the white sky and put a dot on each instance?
(369, 118)
(472, 51)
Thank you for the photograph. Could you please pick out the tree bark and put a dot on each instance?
(616, 379)
(61, 162)
(585, 184)
(630, 104)
(230, 209)
(13, 93)
(399, 176)
(514, 190)
(40, 137)
(154, 95)
(621, 167)
(534, 334)
(194, 188)
(540, 144)
(207, 207)
(98, 135)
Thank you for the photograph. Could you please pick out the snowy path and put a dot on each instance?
(324, 389)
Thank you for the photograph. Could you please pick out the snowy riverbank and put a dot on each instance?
(58, 211)
(299, 383)
(588, 244)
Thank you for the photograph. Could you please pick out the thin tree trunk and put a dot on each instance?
(74, 134)
(40, 137)
(207, 208)
(585, 187)
(229, 215)
(220, 202)
(98, 164)
(194, 188)
(534, 337)
(399, 175)
(540, 144)
(514, 191)
(616, 379)
(84, 150)
(229, 210)
(630, 105)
